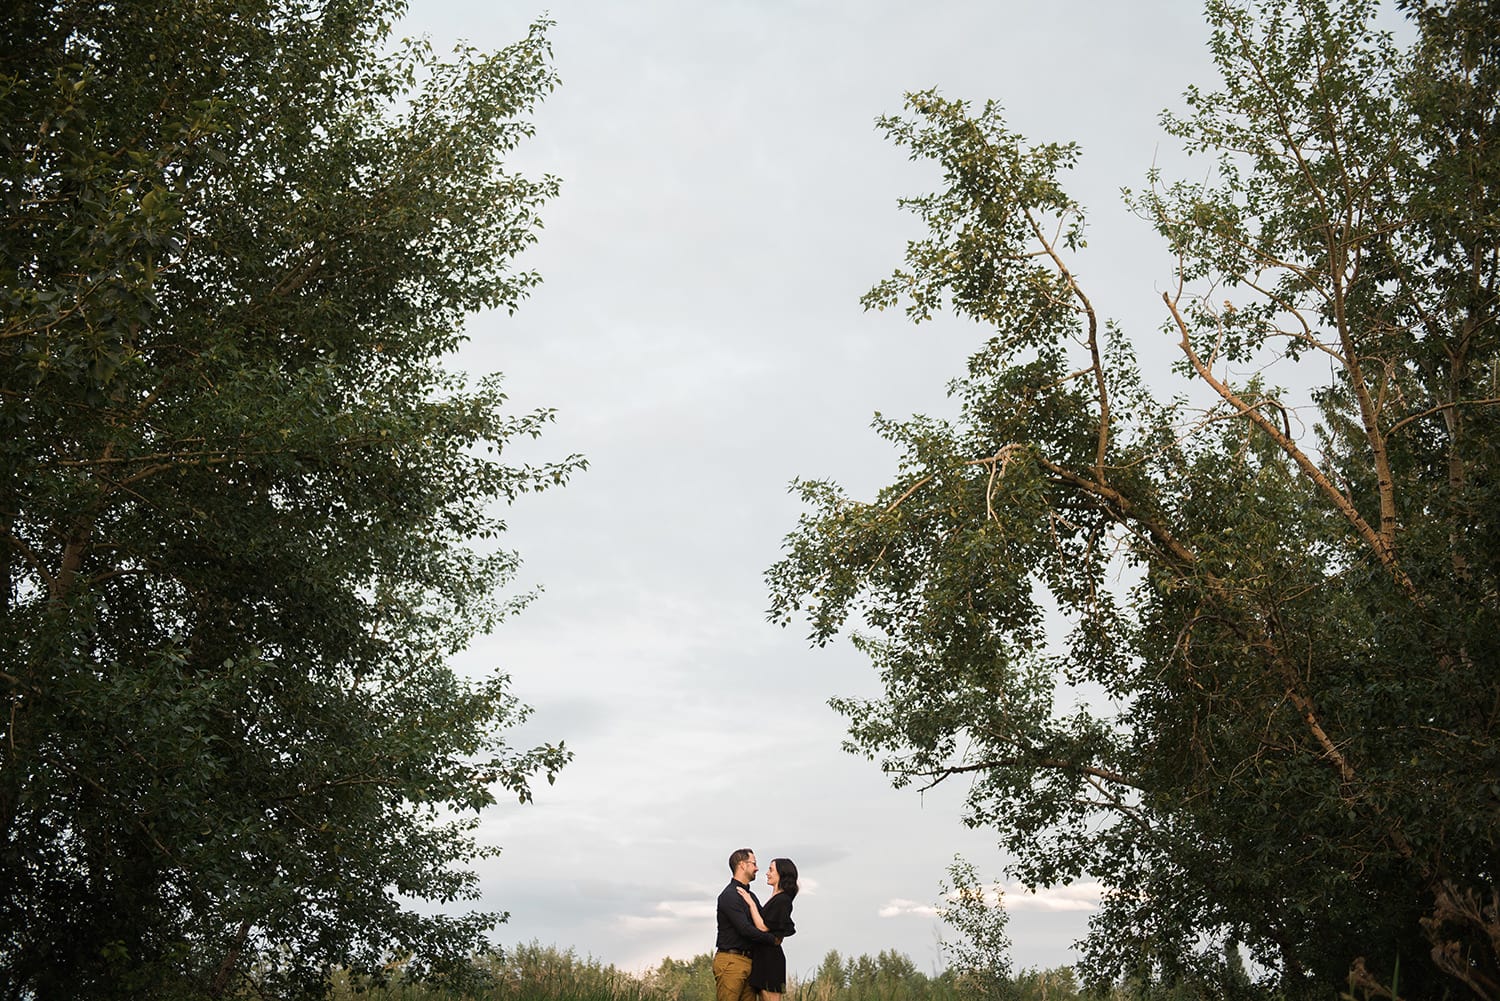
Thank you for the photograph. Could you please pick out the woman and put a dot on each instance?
(768, 962)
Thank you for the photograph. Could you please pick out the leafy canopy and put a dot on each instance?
(1281, 602)
(246, 514)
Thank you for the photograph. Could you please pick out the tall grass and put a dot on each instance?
(545, 973)
(523, 973)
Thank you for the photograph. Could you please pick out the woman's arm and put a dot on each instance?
(754, 911)
(778, 916)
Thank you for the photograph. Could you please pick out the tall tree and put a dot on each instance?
(1291, 749)
(246, 515)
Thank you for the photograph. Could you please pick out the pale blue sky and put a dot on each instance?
(726, 199)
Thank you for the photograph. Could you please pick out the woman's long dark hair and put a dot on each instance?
(787, 870)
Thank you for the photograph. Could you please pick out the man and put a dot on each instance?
(737, 932)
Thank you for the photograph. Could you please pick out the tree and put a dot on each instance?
(1290, 748)
(980, 957)
(887, 976)
(830, 978)
(683, 979)
(246, 515)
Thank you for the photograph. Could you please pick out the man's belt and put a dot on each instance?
(737, 952)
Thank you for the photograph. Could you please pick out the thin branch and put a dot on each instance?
(1378, 542)
(1491, 401)
(1087, 308)
(909, 491)
(1054, 764)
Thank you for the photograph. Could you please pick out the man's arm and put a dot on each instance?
(737, 913)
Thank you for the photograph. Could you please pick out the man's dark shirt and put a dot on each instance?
(736, 930)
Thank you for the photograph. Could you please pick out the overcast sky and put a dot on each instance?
(726, 200)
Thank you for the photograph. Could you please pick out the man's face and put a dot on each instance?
(748, 869)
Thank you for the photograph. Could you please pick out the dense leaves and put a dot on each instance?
(245, 514)
(1232, 651)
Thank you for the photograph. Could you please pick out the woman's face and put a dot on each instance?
(772, 876)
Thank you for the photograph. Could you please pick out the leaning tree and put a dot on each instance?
(1277, 584)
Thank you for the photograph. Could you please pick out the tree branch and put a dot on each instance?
(1377, 541)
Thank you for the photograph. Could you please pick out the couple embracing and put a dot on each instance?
(747, 954)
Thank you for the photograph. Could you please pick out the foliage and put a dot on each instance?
(245, 513)
(532, 972)
(683, 979)
(524, 973)
(980, 958)
(536, 973)
(1269, 722)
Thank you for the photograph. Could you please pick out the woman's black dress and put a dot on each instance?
(768, 964)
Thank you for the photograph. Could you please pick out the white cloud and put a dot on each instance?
(900, 908)
(1016, 897)
(694, 909)
(636, 923)
(666, 914)
(1074, 897)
